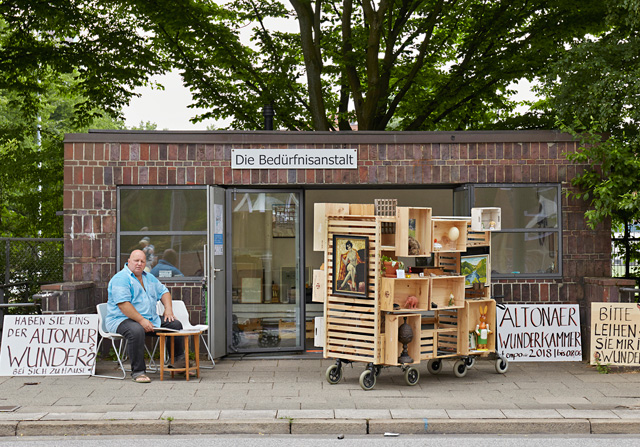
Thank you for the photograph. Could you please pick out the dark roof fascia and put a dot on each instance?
(287, 137)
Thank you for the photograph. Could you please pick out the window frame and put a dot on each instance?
(558, 230)
(120, 233)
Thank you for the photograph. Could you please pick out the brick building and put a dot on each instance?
(135, 189)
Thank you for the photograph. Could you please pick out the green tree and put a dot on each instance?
(594, 90)
(401, 64)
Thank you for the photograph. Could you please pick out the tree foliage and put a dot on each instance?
(402, 64)
(386, 64)
(595, 91)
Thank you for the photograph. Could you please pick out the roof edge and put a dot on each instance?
(289, 137)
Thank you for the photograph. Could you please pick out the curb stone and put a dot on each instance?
(328, 426)
(8, 428)
(619, 427)
(483, 426)
(83, 428)
(232, 427)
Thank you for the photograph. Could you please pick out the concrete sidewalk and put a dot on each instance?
(293, 396)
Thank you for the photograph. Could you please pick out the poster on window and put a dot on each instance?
(45, 345)
(541, 332)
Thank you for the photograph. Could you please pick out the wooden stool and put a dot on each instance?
(196, 347)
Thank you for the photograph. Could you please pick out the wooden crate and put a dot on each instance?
(352, 324)
(427, 344)
(320, 213)
(478, 238)
(441, 288)
(392, 347)
(471, 317)
(361, 209)
(448, 262)
(482, 219)
(397, 290)
(419, 219)
(319, 290)
(442, 230)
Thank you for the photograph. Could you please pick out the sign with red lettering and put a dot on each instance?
(540, 332)
(43, 345)
(615, 334)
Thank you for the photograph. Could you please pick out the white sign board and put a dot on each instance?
(541, 332)
(615, 334)
(42, 345)
(294, 158)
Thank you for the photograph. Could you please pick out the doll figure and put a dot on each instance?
(482, 330)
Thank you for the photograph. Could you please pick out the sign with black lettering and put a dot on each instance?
(43, 345)
(541, 332)
(294, 158)
(615, 334)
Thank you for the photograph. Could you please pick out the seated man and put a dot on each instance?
(132, 312)
(166, 267)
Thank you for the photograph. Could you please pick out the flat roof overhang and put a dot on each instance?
(331, 138)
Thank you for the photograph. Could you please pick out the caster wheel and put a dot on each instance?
(367, 380)
(470, 361)
(460, 368)
(334, 374)
(502, 366)
(434, 366)
(411, 376)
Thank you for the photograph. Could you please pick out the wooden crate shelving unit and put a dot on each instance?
(365, 329)
(419, 220)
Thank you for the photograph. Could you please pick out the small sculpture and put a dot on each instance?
(414, 246)
(492, 225)
(482, 330)
(451, 299)
(411, 303)
(437, 245)
(405, 335)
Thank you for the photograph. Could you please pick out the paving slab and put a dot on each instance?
(476, 414)
(362, 414)
(305, 414)
(21, 416)
(72, 417)
(531, 414)
(419, 414)
(132, 415)
(191, 415)
(248, 414)
(588, 414)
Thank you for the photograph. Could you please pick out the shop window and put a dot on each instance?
(169, 225)
(529, 243)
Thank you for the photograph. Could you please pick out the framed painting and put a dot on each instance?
(350, 265)
(475, 269)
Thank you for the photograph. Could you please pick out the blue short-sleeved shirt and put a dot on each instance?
(124, 286)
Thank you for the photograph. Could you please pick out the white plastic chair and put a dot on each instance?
(118, 347)
(182, 314)
(121, 347)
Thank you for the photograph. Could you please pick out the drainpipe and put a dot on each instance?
(267, 112)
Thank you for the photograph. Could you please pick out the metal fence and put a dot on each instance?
(625, 261)
(27, 264)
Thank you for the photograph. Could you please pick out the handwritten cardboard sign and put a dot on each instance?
(541, 332)
(615, 334)
(42, 345)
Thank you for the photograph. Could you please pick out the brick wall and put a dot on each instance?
(96, 163)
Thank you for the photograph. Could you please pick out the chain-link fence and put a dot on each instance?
(27, 264)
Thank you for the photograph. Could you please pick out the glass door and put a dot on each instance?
(266, 270)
